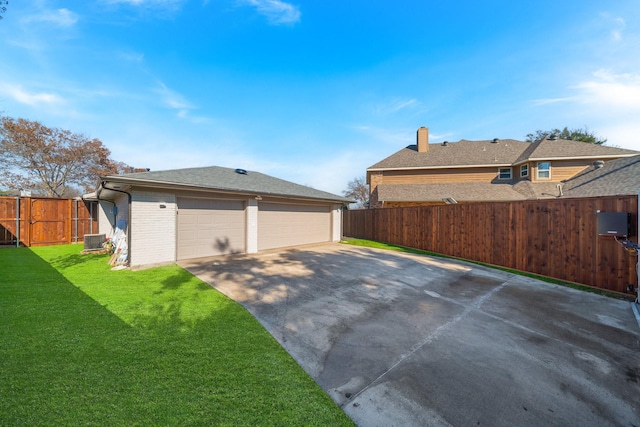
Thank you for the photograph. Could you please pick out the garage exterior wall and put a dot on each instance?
(153, 231)
(336, 226)
(252, 226)
(107, 220)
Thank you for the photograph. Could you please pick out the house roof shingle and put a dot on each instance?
(616, 177)
(466, 192)
(461, 153)
(225, 179)
(565, 148)
(504, 152)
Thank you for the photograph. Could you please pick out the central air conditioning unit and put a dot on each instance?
(94, 241)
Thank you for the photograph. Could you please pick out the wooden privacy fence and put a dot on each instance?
(40, 221)
(556, 238)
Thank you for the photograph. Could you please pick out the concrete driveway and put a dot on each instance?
(408, 340)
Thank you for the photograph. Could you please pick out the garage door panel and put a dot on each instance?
(208, 227)
(282, 225)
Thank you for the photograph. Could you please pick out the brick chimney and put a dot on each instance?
(423, 140)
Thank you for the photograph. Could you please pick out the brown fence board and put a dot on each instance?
(555, 238)
(46, 221)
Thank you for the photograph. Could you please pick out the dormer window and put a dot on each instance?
(504, 173)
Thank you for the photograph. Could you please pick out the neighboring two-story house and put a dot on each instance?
(474, 171)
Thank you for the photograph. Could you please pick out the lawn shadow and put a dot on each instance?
(180, 279)
(72, 260)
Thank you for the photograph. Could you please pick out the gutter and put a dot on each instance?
(235, 191)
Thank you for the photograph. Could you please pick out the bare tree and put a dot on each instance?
(358, 190)
(50, 161)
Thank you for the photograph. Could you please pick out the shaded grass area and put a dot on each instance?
(388, 246)
(83, 345)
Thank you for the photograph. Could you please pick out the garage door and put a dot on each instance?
(281, 225)
(210, 227)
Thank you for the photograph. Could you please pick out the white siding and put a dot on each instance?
(107, 220)
(336, 228)
(252, 226)
(153, 228)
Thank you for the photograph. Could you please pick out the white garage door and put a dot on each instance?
(210, 227)
(281, 225)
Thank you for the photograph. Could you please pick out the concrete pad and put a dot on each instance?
(402, 339)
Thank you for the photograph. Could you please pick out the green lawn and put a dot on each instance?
(83, 345)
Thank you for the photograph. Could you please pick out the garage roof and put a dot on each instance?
(222, 179)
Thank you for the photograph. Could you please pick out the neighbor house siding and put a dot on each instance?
(153, 231)
(439, 176)
(561, 169)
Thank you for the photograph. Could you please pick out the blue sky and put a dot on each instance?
(316, 91)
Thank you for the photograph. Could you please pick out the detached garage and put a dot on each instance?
(200, 212)
(208, 227)
(281, 224)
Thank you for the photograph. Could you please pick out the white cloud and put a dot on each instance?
(276, 11)
(175, 101)
(61, 17)
(618, 26)
(618, 91)
(172, 99)
(396, 105)
(21, 96)
(546, 101)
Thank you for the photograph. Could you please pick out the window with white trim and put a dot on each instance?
(524, 171)
(544, 170)
(504, 173)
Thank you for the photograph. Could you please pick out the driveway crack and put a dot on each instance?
(431, 337)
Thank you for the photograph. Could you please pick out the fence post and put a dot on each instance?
(75, 222)
(17, 221)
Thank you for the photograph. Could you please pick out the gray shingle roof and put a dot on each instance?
(225, 179)
(616, 177)
(466, 192)
(564, 148)
(504, 152)
(461, 153)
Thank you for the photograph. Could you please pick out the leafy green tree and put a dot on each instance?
(50, 161)
(584, 135)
